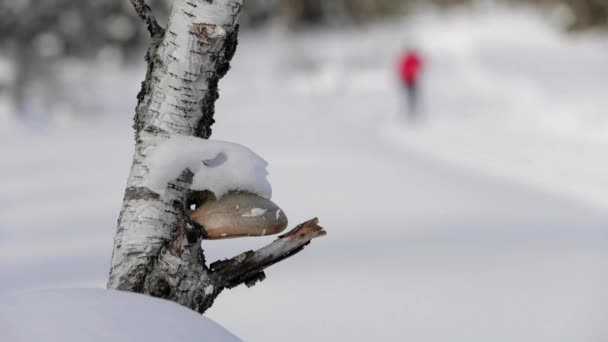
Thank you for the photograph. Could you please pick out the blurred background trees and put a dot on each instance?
(297, 13)
(37, 34)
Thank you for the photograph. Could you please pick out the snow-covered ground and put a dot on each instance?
(485, 220)
(100, 315)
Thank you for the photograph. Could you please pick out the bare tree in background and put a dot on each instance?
(157, 248)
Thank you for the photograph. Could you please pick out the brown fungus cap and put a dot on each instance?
(239, 214)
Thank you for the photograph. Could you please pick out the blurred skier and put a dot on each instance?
(410, 66)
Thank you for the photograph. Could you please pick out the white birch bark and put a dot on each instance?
(182, 75)
(157, 247)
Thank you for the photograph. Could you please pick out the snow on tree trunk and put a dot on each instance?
(157, 247)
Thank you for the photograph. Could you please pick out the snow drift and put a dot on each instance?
(99, 315)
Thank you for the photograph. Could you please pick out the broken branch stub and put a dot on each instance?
(145, 13)
(248, 267)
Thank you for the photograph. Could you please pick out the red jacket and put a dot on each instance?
(409, 67)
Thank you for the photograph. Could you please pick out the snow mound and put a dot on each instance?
(218, 166)
(100, 315)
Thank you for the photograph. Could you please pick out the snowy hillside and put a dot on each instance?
(485, 221)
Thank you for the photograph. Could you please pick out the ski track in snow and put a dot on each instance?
(483, 221)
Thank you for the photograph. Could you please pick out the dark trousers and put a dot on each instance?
(411, 89)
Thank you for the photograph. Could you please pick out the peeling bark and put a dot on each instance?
(157, 248)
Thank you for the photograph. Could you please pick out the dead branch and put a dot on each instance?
(248, 267)
(145, 13)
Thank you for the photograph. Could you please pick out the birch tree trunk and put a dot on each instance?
(157, 248)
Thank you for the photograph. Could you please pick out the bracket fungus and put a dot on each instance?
(238, 214)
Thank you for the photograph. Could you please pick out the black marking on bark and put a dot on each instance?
(202, 43)
(197, 53)
(190, 14)
(222, 65)
(153, 62)
(140, 193)
(154, 130)
(236, 6)
(188, 102)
